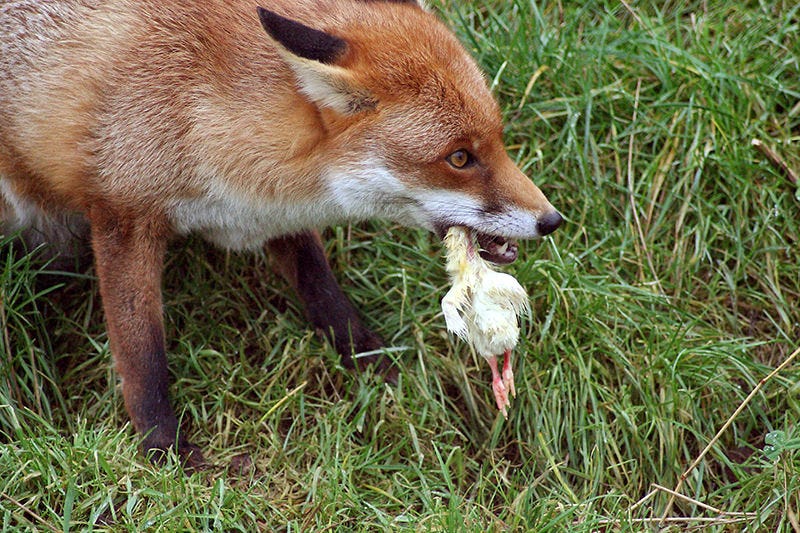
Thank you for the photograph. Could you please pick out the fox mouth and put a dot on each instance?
(494, 248)
(497, 249)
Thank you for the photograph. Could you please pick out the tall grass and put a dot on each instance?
(669, 293)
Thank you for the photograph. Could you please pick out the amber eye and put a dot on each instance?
(459, 158)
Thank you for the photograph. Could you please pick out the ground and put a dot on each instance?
(668, 294)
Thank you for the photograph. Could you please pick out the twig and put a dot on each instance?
(644, 499)
(722, 430)
(776, 160)
(30, 512)
(676, 519)
(705, 505)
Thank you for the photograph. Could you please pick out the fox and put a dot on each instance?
(125, 124)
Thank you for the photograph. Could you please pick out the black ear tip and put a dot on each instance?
(270, 20)
(300, 39)
(264, 15)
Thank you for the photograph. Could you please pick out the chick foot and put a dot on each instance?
(508, 374)
(499, 388)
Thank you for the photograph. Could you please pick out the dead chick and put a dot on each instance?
(482, 307)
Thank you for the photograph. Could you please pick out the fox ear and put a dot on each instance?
(312, 55)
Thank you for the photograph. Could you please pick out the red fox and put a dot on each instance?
(129, 122)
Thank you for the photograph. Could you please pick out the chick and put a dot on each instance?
(482, 308)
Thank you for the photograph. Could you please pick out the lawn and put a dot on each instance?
(669, 293)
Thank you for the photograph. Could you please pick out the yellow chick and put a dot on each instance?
(482, 308)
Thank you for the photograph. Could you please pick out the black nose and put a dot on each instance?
(548, 223)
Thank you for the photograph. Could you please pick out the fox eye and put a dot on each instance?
(460, 159)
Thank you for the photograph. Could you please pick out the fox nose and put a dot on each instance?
(549, 222)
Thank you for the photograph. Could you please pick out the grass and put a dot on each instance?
(667, 296)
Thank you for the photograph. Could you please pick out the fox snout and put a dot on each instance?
(549, 222)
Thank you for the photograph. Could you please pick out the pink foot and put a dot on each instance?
(499, 388)
(508, 374)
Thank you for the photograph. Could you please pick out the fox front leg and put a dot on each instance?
(301, 260)
(129, 256)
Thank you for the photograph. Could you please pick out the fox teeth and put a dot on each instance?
(503, 248)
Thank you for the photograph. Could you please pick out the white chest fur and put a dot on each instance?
(239, 223)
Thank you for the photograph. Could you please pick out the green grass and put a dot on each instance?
(672, 289)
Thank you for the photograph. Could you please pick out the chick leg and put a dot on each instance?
(500, 392)
(508, 374)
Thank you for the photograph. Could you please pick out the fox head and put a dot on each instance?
(395, 86)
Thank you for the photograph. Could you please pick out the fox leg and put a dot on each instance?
(301, 260)
(129, 257)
